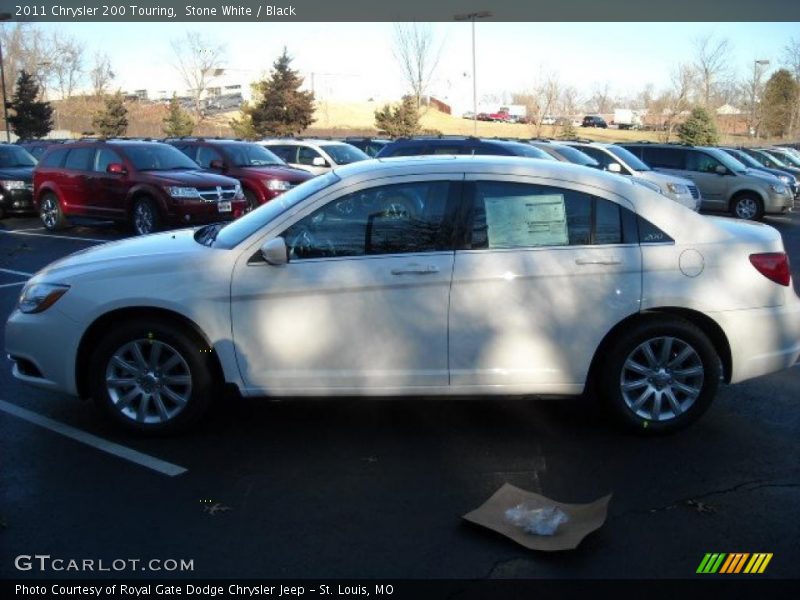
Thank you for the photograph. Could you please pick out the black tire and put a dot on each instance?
(143, 388)
(656, 385)
(2, 212)
(145, 217)
(252, 200)
(50, 213)
(747, 206)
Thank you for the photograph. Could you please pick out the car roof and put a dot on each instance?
(310, 141)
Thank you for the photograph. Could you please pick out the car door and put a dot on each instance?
(74, 181)
(701, 168)
(549, 269)
(306, 155)
(361, 306)
(108, 191)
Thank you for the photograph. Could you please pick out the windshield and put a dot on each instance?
(14, 156)
(234, 232)
(745, 159)
(787, 158)
(628, 158)
(250, 155)
(344, 154)
(727, 160)
(575, 156)
(157, 157)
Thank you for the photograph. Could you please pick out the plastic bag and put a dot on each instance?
(538, 521)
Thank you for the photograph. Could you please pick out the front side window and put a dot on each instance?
(205, 155)
(519, 215)
(344, 154)
(389, 219)
(602, 157)
(285, 153)
(103, 158)
(306, 155)
(701, 162)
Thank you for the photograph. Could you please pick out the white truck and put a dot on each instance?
(627, 118)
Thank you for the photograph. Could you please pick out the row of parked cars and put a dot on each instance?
(151, 185)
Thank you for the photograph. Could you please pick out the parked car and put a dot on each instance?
(314, 156)
(786, 176)
(469, 115)
(616, 159)
(369, 146)
(723, 181)
(768, 160)
(460, 145)
(262, 175)
(786, 155)
(513, 277)
(548, 120)
(594, 121)
(565, 153)
(37, 147)
(16, 180)
(148, 185)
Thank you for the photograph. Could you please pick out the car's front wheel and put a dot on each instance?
(252, 200)
(146, 218)
(50, 213)
(660, 375)
(151, 377)
(747, 206)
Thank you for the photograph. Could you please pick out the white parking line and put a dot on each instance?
(129, 454)
(20, 273)
(57, 237)
(8, 285)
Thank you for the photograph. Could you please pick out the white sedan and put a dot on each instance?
(420, 276)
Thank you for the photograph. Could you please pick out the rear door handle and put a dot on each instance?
(415, 269)
(597, 261)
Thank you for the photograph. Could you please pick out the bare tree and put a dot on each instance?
(711, 64)
(25, 47)
(791, 59)
(672, 103)
(101, 73)
(751, 91)
(198, 60)
(415, 51)
(66, 63)
(601, 98)
(547, 94)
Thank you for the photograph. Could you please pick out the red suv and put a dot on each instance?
(147, 184)
(262, 174)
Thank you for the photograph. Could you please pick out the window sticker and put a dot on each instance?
(522, 221)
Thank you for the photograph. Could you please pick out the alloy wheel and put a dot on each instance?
(49, 212)
(143, 218)
(746, 208)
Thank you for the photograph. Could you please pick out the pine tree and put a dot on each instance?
(699, 129)
(398, 121)
(243, 127)
(778, 105)
(282, 109)
(178, 122)
(31, 118)
(112, 121)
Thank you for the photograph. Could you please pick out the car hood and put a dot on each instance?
(167, 250)
(17, 173)
(761, 175)
(188, 178)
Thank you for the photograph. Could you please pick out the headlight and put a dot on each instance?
(678, 189)
(277, 185)
(778, 189)
(182, 192)
(237, 192)
(785, 179)
(40, 296)
(12, 184)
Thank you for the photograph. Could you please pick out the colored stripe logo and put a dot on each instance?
(733, 563)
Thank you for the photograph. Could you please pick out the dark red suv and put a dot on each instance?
(147, 184)
(262, 174)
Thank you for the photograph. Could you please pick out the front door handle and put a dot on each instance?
(597, 261)
(415, 269)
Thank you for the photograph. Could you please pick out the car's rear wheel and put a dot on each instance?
(51, 214)
(146, 218)
(748, 207)
(660, 375)
(151, 377)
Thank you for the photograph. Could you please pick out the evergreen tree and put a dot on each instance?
(699, 129)
(568, 131)
(779, 103)
(112, 121)
(282, 109)
(31, 118)
(243, 127)
(178, 122)
(398, 121)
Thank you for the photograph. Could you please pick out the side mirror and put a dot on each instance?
(217, 164)
(275, 252)
(318, 161)
(721, 170)
(614, 167)
(116, 168)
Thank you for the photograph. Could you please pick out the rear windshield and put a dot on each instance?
(157, 157)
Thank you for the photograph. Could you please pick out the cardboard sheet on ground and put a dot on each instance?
(583, 518)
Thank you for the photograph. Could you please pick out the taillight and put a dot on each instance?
(773, 265)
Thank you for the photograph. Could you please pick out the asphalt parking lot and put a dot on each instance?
(375, 489)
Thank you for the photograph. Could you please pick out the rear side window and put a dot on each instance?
(190, 151)
(54, 158)
(666, 158)
(79, 159)
(520, 215)
(407, 150)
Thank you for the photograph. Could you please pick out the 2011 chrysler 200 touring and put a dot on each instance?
(433, 275)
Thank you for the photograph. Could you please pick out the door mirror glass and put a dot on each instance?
(721, 170)
(614, 167)
(274, 252)
(116, 168)
(318, 161)
(217, 164)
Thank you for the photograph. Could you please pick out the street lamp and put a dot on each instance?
(756, 81)
(4, 17)
(473, 16)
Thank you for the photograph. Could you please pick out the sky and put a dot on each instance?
(354, 61)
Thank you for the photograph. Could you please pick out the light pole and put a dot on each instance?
(4, 17)
(484, 14)
(756, 81)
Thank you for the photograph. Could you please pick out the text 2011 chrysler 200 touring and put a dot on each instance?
(447, 275)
